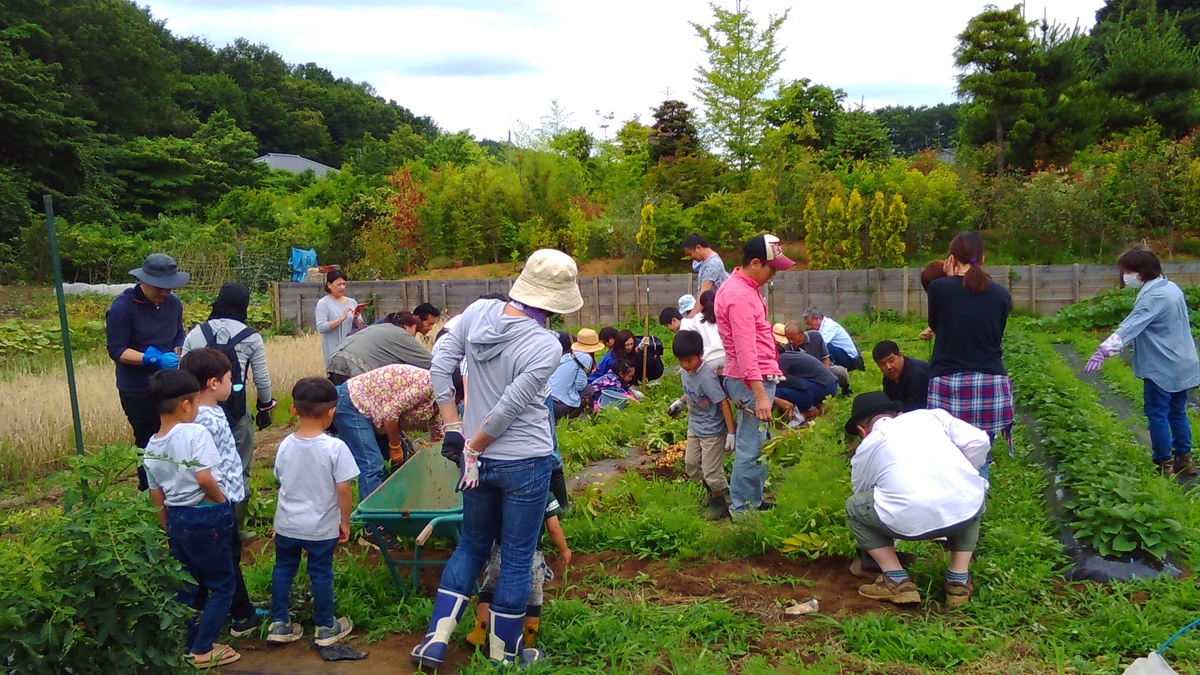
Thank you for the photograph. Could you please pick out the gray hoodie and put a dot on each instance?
(510, 360)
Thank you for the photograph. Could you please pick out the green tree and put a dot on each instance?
(998, 60)
(675, 132)
(742, 63)
(647, 239)
(800, 103)
(835, 228)
(913, 129)
(1185, 12)
(859, 136)
(814, 237)
(1151, 72)
(887, 231)
(847, 242)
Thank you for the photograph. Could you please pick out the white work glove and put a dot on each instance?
(637, 395)
(644, 344)
(676, 407)
(470, 469)
(730, 441)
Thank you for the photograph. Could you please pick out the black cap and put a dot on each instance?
(867, 406)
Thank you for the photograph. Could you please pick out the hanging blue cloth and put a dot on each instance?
(300, 260)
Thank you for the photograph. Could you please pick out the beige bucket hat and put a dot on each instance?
(548, 282)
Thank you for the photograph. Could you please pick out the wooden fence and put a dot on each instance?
(1040, 289)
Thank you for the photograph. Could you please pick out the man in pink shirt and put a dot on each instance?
(751, 368)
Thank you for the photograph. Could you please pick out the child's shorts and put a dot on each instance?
(540, 570)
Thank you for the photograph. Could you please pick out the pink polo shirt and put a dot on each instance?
(742, 324)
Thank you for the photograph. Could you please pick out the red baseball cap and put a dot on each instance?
(766, 247)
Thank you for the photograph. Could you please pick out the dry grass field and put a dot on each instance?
(35, 409)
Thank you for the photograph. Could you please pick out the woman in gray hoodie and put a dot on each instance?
(503, 446)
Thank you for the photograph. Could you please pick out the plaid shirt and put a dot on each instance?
(979, 399)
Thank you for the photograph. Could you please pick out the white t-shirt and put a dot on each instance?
(234, 482)
(922, 467)
(165, 463)
(714, 349)
(308, 471)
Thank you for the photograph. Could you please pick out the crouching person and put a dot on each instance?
(915, 476)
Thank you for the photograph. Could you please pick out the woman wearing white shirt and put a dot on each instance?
(705, 323)
(336, 313)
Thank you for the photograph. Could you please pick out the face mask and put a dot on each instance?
(1132, 280)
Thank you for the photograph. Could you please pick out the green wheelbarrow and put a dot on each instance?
(418, 501)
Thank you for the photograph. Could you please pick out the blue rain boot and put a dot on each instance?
(505, 643)
(447, 610)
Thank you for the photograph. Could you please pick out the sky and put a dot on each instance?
(491, 65)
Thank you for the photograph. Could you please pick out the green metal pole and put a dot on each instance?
(62, 321)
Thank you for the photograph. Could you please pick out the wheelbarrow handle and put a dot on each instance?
(428, 531)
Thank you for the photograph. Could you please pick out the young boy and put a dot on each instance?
(314, 471)
(190, 490)
(214, 373)
(674, 320)
(540, 571)
(710, 421)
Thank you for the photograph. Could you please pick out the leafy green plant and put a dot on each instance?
(91, 588)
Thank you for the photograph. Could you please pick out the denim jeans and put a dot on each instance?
(1166, 413)
(508, 506)
(358, 433)
(749, 474)
(320, 572)
(840, 357)
(198, 537)
(240, 607)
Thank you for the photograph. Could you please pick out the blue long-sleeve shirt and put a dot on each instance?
(133, 322)
(570, 378)
(606, 363)
(1163, 350)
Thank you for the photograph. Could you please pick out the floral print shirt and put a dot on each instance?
(397, 392)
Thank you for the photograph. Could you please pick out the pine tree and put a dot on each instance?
(814, 235)
(877, 233)
(835, 228)
(897, 225)
(849, 243)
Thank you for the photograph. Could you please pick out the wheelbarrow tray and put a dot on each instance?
(417, 501)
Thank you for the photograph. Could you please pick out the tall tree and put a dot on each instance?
(742, 63)
(1186, 12)
(913, 129)
(675, 132)
(998, 60)
(801, 102)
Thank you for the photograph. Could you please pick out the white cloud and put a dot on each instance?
(484, 65)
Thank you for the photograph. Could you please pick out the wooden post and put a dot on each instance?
(807, 296)
(596, 300)
(1033, 289)
(445, 297)
(878, 288)
(906, 283)
(425, 295)
(835, 295)
(1076, 293)
(404, 290)
(278, 311)
(616, 298)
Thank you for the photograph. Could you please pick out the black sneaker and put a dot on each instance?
(766, 505)
(240, 627)
(389, 540)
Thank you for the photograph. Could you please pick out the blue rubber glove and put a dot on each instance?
(153, 356)
(169, 360)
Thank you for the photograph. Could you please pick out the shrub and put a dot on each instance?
(91, 588)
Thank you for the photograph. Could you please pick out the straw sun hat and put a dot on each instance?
(587, 342)
(548, 282)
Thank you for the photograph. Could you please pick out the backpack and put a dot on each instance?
(234, 406)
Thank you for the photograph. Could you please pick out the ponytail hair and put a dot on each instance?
(708, 310)
(967, 249)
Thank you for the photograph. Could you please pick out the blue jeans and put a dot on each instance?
(840, 357)
(749, 474)
(508, 506)
(359, 435)
(199, 537)
(801, 398)
(320, 572)
(1166, 412)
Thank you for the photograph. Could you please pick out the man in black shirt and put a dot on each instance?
(905, 379)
